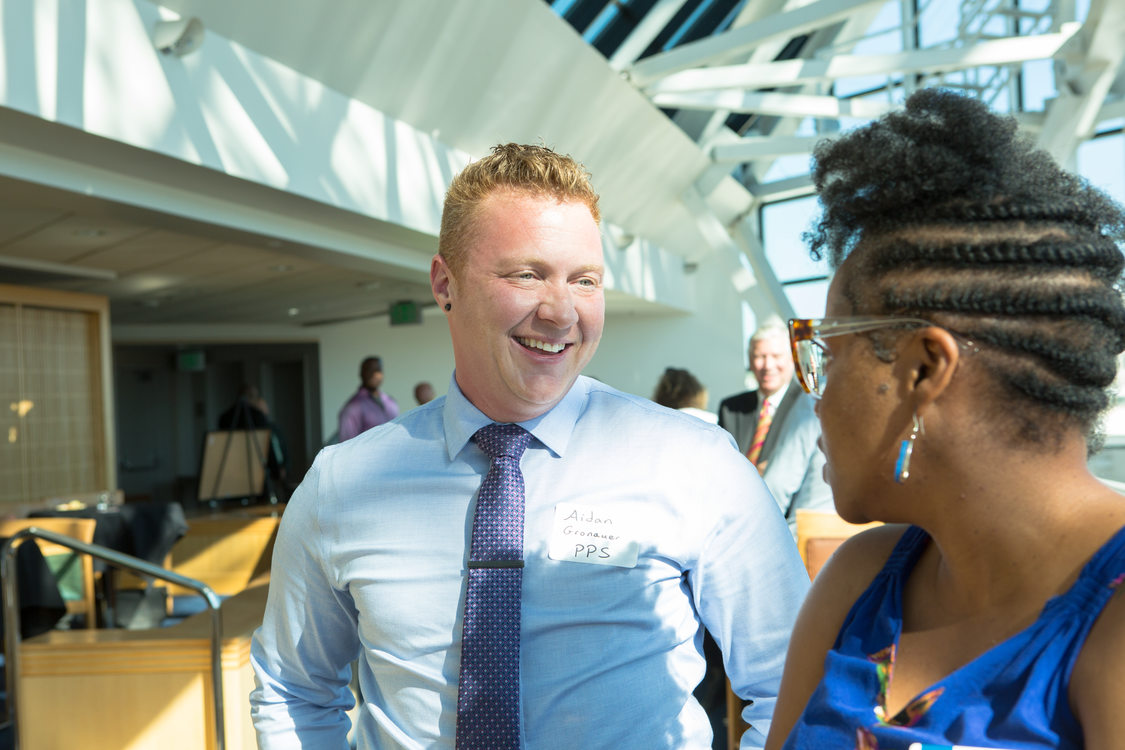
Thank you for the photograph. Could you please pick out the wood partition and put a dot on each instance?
(116, 689)
(819, 533)
(227, 552)
(140, 689)
(56, 392)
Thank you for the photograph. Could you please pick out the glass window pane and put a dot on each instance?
(808, 299)
(938, 22)
(1038, 84)
(884, 36)
(1102, 162)
(782, 225)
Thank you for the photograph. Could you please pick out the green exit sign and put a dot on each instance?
(405, 313)
(191, 360)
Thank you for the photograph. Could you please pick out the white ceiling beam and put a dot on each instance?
(643, 33)
(856, 26)
(1071, 117)
(760, 288)
(714, 233)
(747, 239)
(779, 190)
(1007, 51)
(1111, 110)
(781, 105)
(1090, 70)
(761, 147)
(741, 40)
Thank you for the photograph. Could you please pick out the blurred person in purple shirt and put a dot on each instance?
(368, 407)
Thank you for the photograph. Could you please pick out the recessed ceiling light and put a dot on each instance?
(294, 311)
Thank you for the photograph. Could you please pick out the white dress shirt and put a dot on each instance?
(370, 563)
(774, 400)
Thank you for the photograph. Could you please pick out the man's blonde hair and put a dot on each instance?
(532, 170)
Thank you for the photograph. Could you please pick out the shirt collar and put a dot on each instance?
(553, 428)
(775, 399)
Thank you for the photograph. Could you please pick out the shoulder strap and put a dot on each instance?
(907, 550)
(1100, 577)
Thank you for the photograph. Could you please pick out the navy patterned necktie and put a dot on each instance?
(488, 696)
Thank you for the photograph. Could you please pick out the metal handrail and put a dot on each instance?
(135, 564)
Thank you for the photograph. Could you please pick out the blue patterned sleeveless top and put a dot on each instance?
(1012, 696)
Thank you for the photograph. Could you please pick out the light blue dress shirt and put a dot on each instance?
(369, 563)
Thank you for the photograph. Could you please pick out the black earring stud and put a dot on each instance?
(448, 307)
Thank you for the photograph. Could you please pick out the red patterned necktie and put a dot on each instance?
(488, 696)
(765, 417)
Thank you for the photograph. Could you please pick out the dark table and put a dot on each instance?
(144, 530)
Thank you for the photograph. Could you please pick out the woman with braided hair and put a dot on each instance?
(975, 320)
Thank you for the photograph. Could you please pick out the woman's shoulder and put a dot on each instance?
(848, 573)
(837, 586)
(1097, 684)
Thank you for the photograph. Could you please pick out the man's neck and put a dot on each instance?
(775, 395)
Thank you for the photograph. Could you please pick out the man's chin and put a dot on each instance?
(545, 392)
(545, 398)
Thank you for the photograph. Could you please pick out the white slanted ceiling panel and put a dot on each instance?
(476, 74)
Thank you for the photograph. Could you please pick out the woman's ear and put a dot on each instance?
(932, 355)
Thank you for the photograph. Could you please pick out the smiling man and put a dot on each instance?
(528, 561)
(776, 428)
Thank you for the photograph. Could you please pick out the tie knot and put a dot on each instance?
(502, 440)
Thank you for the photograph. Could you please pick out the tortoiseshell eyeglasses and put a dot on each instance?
(811, 356)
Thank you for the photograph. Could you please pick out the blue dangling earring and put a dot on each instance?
(902, 466)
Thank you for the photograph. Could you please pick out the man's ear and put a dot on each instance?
(933, 357)
(441, 281)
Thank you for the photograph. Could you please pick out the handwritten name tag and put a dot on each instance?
(594, 535)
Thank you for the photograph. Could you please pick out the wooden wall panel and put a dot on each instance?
(55, 396)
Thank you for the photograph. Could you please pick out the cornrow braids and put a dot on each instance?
(945, 212)
(1064, 210)
(1099, 256)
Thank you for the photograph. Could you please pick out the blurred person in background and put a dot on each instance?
(679, 389)
(776, 429)
(369, 407)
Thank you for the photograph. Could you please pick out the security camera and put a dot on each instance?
(178, 37)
